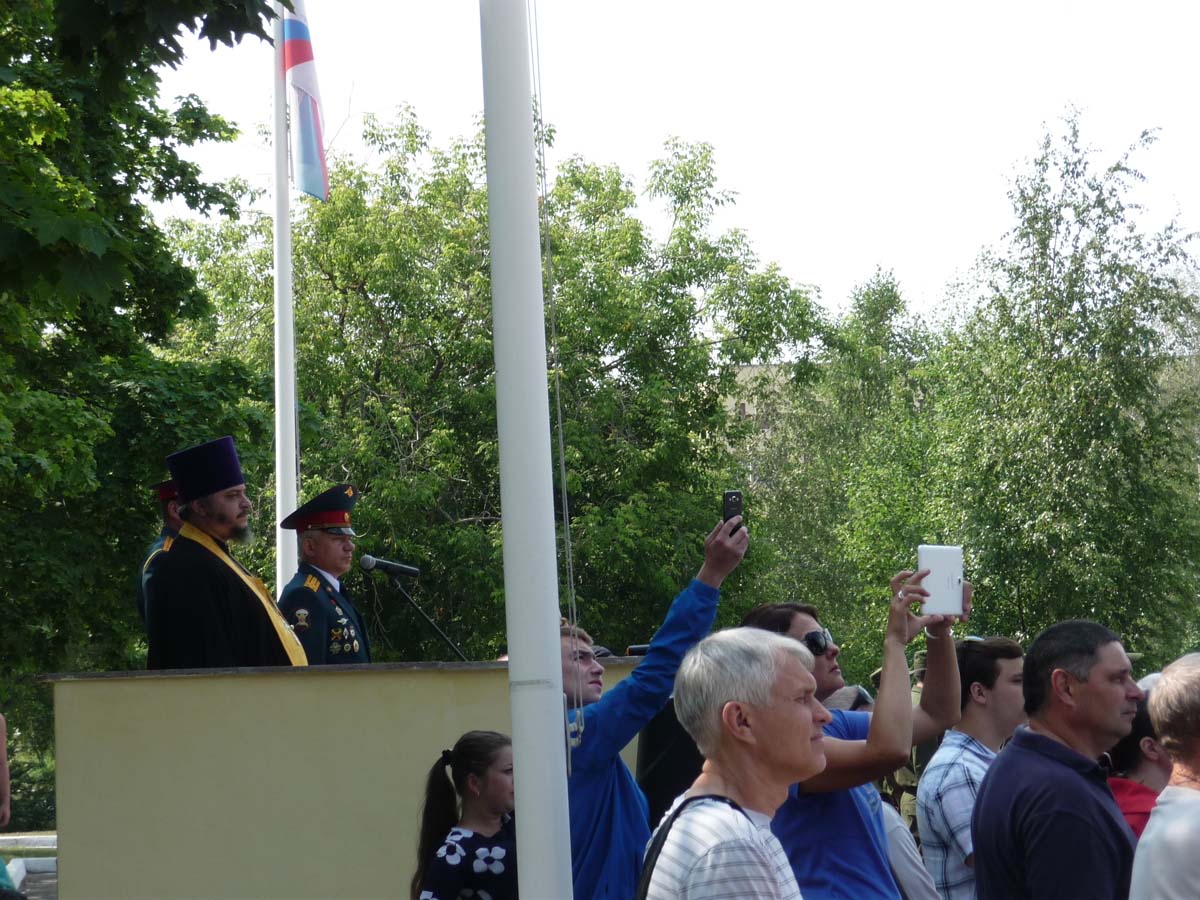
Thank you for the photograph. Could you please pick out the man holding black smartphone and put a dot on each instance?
(609, 814)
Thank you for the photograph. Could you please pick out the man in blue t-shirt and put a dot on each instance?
(609, 815)
(831, 825)
(1045, 823)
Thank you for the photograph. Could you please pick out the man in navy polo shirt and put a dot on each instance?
(1045, 823)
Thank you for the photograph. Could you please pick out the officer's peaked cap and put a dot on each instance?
(328, 511)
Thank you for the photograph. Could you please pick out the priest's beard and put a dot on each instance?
(238, 534)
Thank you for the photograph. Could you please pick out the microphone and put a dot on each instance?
(370, 563)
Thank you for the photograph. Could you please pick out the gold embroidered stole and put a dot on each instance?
(291, 643)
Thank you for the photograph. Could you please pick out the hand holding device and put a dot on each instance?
(731, 506)
(944, 583)
(723, 550)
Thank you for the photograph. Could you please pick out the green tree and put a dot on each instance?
(395, 373)
(88, 286)
(837, 468)
(1061, 463)
(1051, 430)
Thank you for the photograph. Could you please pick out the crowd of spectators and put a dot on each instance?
(1055, 773)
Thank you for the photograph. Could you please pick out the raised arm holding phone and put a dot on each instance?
(609, 813)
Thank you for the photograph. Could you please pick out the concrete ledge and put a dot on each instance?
(303, 671)
(9, 842)
(284, 671)
(152, 752)
(41, 865)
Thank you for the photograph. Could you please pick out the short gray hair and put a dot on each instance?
(737, 664)
(1175, 708)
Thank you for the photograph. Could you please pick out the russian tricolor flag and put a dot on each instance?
(309, 171)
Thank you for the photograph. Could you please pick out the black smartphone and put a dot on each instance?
(732, 506)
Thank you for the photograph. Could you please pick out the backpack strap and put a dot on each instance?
(660, 838)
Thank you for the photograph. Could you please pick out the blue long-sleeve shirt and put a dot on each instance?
(609, 814)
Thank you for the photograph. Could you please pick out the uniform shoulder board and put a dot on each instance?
(312, 583)
(150, 558)
(167, 544)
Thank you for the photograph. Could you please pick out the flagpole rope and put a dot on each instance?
(575, 734)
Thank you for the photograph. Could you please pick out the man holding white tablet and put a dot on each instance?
(831, 825)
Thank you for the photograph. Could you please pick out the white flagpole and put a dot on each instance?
(523, 415)
(286, 464)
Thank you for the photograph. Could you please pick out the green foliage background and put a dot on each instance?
(1049, 427)
(1049, 424)
(89, 290)
(395, 375)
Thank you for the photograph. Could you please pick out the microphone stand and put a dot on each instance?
(395, 580)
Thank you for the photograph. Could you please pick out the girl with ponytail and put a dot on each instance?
(468, 842)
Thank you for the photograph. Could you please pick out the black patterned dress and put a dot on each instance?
(469, 866)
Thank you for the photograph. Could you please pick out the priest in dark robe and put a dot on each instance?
(204, 609)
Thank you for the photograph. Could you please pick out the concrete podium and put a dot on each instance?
(298, 784)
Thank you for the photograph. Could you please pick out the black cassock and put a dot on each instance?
(202, 615)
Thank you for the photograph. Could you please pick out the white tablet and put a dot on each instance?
(944, 581)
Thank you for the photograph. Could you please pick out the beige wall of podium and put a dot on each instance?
(259, 783)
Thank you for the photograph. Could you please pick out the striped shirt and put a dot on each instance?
(713, 851)
(945, 801)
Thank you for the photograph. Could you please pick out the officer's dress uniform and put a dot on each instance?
(322, 616)
(166, 537)
(165, 491)
(314, 602)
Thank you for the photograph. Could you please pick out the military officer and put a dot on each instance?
(168, 503)
(314, 601)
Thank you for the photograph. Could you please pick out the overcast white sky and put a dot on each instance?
(855, 135)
